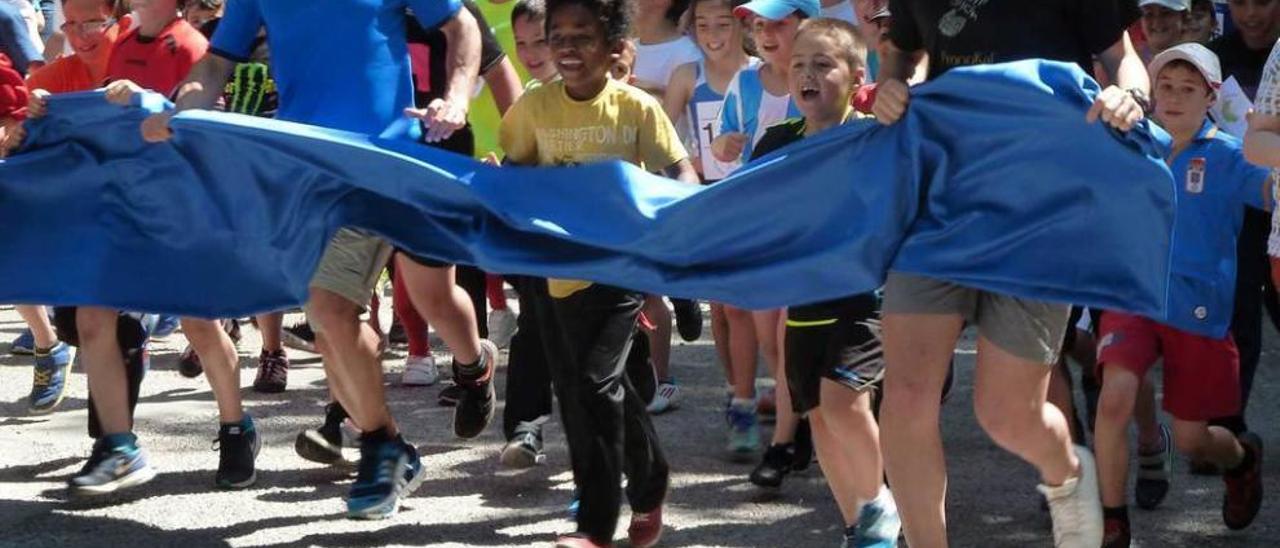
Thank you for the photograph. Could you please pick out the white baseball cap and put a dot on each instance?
(1175, 5)
(1199, 56)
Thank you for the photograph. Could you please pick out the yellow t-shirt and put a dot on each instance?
(548, 128)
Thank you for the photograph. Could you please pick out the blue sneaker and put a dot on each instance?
(878, 524)
(111, 469)
(165, 325)
(50, 382)
(389, 470)
(24, 345)
(744, 431)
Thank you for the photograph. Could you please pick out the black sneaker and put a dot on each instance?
(189, 363)
(803, 452)
(324, 444)
(777, 463)
(688, 319)
(524, 449)
(475, 408)
(449, 395)
(299, 336)
(273, 372)
(238, 447)
(1152, 484)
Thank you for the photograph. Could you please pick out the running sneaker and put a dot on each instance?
(1153, 473)
(475, 406)
(1116, 533)
(580, 540)
(502, 327)
(776, 464)
(744, 432)
(165, 325)
(111, 469)
(49, 382)
(449, 395)
(299, 336)
(524, 449)
(665, 398)
(646, 528)
(389, 470)
(878, 524)
(24, 344)
(688, 319)
(420, 371)
(237, 447)
(1243, 498)
(273, 372)
(189, 363)
(1075, 506)
(324, 444)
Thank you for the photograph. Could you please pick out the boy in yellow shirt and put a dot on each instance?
(586, 117)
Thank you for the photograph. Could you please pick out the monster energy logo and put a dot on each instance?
(248, 88)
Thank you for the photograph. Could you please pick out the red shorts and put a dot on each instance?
(1201, 375)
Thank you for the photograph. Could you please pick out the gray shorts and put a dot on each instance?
(351, 265)
(1031, 330)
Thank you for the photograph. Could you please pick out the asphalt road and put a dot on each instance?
(469, 500)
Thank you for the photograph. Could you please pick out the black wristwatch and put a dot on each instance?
(1141, 98)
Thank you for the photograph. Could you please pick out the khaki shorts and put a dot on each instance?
(1031, 330)
(351, 265)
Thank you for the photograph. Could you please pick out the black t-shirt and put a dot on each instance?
(429, 54)
(1238, 60)
(251, 89)
(779, 135)
(970, 32)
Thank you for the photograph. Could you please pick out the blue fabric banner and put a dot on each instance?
(993, 179)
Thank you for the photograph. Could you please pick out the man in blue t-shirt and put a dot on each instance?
(344, 64)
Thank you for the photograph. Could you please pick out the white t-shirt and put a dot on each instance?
(1267, 102)
(656, 62)
(843, 10)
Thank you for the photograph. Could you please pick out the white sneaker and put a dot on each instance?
(502, 327)
(420, 371)
(666, 398)
(1076, 507)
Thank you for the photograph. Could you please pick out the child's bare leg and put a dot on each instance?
(221, 365)
(1111, 434)
(104, 365)
(847, 441)
(38, 320)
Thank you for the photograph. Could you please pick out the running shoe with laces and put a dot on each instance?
(237, 446)
(1116, 533)
(1075, 506)
(189, 364)
(474, 410)
(389, 471)
(449, 395)
(774, 466)
(420, 371)
(524, 449)
(324, 444)
(878, 524)
(1153, 473)
(273, 372)
(688, 319)
(110, 469)
(1243, 496)
(645, 529)
(665, 398)
(502, 326)
(49, 379)
(24, 344)
(299, 336)
(744, 431)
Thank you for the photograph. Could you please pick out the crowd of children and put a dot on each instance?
(693, 90)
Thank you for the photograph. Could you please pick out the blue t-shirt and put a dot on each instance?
(1214, 184)
(341, 64)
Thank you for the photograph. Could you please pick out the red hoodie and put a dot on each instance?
(13, 91)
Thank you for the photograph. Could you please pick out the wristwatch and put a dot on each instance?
(1141, 98)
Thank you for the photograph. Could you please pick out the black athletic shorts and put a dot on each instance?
(837, 340)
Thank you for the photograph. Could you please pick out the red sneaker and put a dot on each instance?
(579, 540)
(1243, 498)
(646, 528)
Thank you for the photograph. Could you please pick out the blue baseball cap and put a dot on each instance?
(776, 10)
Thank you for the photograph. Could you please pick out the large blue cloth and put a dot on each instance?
(993, 179)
